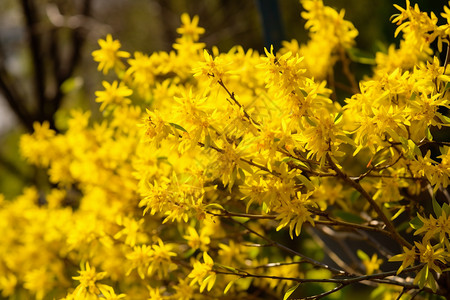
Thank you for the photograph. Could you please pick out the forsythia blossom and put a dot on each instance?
(204, 162)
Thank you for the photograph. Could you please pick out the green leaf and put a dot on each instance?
(241, 174)
(349, 217)
(402, 226)
(311, 122)
(362, 255)
(423, 274)
(306, 182)
(447, 86)
(231, 269)
(71, 84)
(338, 118)
(429, 135)
(178, 127)
(446, 209)
(244, 283)
(304, 93)
(398, 213)
(215, 205)
(432, 282)
(354, 196)
(295, 161)
(229, 285)
(189, 253)
(207, 141)
(290, 291)
(414, 148)
(436, 207)
(359, 56)
(241, 219)
(416, 223)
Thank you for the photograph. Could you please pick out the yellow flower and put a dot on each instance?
(161, 259)
(196, 241)
(431, 254)
(294, 213)
(131, 229)
(189, 28)
(373, 264)
(8, 284)
(88, 281)
(109, 55)
(203, 274)
(407, 258)
(429, 227)
(114, 93)
(43, 131)
(140, 259)
(183, 290)
(108, 292)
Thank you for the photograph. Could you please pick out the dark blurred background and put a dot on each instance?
(46, 67)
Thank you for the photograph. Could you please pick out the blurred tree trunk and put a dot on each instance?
(54, 42)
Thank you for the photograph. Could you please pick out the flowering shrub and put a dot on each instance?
(208, 169)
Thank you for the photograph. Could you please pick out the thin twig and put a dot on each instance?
(339, 287)
(293, 252)
(233, 97)
(391, 228)
(346, 70)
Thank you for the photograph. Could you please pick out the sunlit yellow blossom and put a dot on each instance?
(109, 55)
(196, 241)
(8, 283)
(114, 93)
(39, 282)
(183, 290)
(202, 162)
(140, 259)
(189, 28)
(88, 281)
(131, 230)
(108, 292)
(294, 213)
(203, 274)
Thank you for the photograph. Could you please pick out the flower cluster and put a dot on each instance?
(202, 156)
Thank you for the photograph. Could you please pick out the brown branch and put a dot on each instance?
(233, 97)
(447, 57)
(227, 214)
(291, 251)
(64, 71)
(346, 69)
(31, 23)
(14, 99)
(391, 228)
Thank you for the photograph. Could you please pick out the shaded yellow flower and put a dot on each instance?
(431, 255)
(407, 258)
